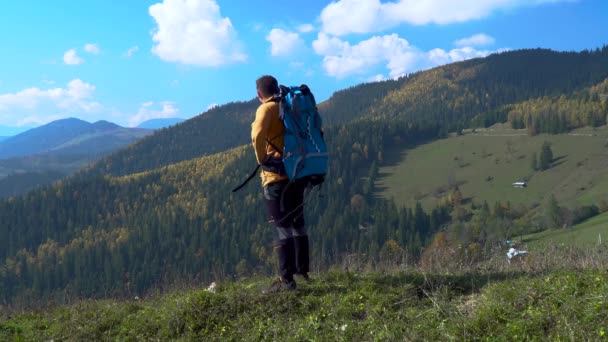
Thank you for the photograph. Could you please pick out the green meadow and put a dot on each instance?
(586, 234)
(484, 163)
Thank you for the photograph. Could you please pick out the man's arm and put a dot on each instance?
(259, 132)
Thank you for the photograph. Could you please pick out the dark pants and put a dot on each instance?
(285, 204)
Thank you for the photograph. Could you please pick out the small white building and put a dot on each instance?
(520, 184)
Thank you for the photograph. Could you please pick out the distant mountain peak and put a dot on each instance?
(67, 123)
(68, 120)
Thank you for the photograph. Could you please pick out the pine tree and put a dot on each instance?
(546, 156)
(553, 213)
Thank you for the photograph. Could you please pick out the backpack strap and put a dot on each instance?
(269, 142)
(247, 180)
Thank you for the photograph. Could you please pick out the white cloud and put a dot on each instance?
(341, 59)
(147, 112)
(364, 16)
(351, 16)
(326, 45)
(439, 56)
(92, 49)
(76, 96)
(213, 105)
(71, 58)
(305, 28)
(194, 32)
(132, 51)
(479, 39)
(283, 43)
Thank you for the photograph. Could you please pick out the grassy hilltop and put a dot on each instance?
(546, 297)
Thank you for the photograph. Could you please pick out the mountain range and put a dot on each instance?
(9, 131)
(70, 136)
(161, 210)
(47, 153)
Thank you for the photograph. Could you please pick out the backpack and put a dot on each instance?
(305, 152)
(304, 157)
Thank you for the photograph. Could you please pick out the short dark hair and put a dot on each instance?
(267, 85)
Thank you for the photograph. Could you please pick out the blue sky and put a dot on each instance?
(129, 61)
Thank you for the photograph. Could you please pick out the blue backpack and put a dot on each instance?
(304, 156)
(304, 152)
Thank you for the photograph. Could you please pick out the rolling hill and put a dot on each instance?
(218, 129)
(19, 175)
(70, 136)
(485, 163)
(48, 153)
(456, 96)
(161, 211)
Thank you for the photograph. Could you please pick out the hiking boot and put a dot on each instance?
(287, 258)
(302, 250)
(304, 276)
(281, 285)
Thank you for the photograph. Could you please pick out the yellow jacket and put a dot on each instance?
(266, 127)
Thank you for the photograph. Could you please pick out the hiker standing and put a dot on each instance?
(284, 199)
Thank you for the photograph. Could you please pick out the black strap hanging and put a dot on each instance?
(247, 180)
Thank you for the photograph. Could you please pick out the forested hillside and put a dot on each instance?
(225, 127)
(455, 96)
(219, 129)
(117, 235)
(475, 92)
(157, 213)
(559, 114)
(358, 101)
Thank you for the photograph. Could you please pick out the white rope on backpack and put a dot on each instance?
(309, 131)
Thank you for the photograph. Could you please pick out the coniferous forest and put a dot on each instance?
(161, 211)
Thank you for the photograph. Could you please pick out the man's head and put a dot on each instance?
(266, 86)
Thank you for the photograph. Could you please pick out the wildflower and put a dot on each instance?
(212, 287)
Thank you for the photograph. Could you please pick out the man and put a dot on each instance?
(284, 199)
